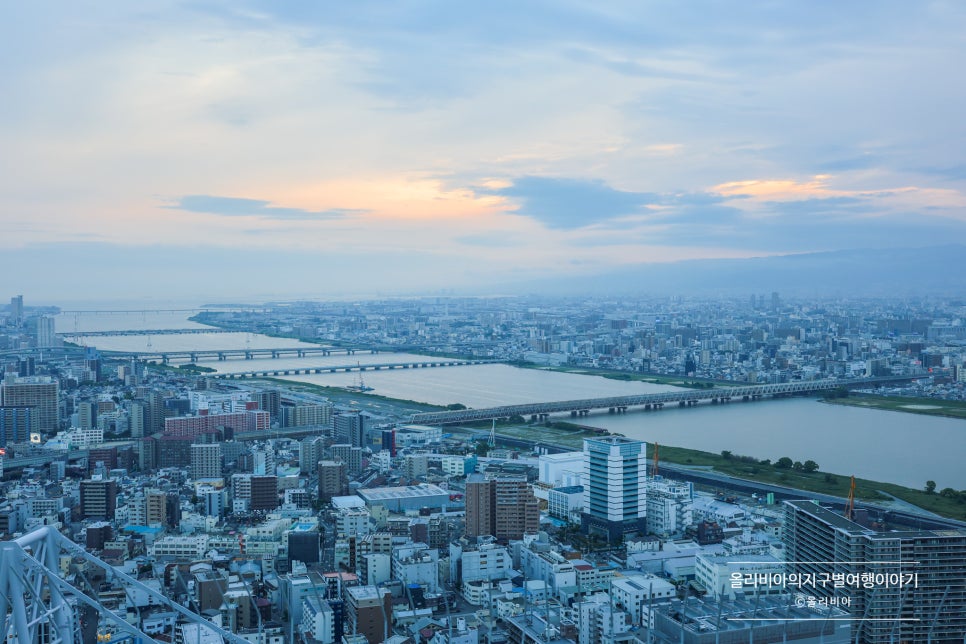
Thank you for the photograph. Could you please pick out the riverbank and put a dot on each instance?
(924, 406)
(948, 503)
(628, 376)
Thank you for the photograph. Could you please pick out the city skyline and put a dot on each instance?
(230, 149)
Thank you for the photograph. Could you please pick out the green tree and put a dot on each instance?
(810, 466)
(725, 454)
(948, 492)
(797, 466)
(831, 480)
(783, 463)
(930, 487)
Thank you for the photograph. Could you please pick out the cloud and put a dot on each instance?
(571, 203)
(238, 207)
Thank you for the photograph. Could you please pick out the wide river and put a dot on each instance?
(888, 446)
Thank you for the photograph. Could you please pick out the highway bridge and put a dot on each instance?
(420, 364)
(620, 404)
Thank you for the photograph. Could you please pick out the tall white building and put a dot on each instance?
(615, 487)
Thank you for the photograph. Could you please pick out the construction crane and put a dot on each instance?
(850, 503)
(654, 465)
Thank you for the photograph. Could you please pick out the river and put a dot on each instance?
(889, 446)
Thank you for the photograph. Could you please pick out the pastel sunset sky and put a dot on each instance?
(265, 148)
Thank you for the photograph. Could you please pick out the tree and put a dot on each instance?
(783, 463)
(831, 480)
(948, 492)
(809, 466)
(725, 454)
(797, 466)
(930, 487)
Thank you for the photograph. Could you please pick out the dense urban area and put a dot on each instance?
(189, 505)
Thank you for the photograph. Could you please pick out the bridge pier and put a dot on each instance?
(221, 355)
(573, 414)
(682, 404)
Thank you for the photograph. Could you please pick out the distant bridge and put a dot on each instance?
(620, 404)
(419, 364)
(97, 334)
(227, 354)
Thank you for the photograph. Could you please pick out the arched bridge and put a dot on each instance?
(620, 404)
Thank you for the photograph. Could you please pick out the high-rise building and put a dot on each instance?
(480, 511)
(517, 510)
(205, 460)
(16, 310)
(503, 507)
(38, 392)
(350, 455)
(615, 487)
(333, 480)
(136, 420)
(349, 428)
(98, 499)
(16, 424)
(86, 414)
(45, 331)
(930, 606)
(310, 453)
(269, 400)
(263, 460)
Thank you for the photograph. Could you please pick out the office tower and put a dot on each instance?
(38, 392)
(825, 544)
(98, 499)
(16, 424)
(349, 428)
(16, 310)
(350, 455)
(45, 331)
(333, 480)
(205, 461)
(615, 490)
(503, 507)
(105, 457)
(368, 610)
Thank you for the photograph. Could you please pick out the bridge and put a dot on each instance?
(98, 334)
(422, 364)
(37, 603)
(228, 354)
(620, 404)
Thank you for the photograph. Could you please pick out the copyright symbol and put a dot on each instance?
(800, 601)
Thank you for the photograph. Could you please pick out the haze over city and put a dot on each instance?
(266, 149)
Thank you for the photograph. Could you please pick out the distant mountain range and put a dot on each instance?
(935, 270)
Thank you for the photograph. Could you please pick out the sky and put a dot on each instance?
(302, 149)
